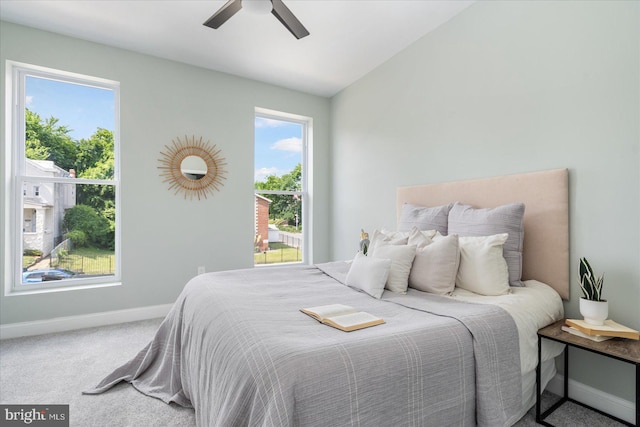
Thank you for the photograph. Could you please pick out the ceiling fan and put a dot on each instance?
(276, 7)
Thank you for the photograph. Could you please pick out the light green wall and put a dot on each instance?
(164, 237)
(508, 87)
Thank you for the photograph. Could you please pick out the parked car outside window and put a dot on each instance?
(47, 275)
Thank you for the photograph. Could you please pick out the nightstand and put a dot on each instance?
(625, 350)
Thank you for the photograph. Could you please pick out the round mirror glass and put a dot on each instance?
(193, 167)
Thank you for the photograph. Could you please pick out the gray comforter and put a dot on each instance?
(237, 349)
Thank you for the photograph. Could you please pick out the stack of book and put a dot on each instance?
(609, 330)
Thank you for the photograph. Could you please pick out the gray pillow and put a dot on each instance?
(424, 218)
(465, 220)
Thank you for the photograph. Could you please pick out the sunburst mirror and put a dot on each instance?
(193, 167)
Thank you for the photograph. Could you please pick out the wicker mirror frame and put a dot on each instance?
(171, 171)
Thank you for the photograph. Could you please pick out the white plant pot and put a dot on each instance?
(594, 312)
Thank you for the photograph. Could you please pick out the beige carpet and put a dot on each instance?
(54, 369)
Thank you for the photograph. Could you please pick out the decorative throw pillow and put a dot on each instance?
(465, 220)
(483, 269)
(438, 236)
(386, 237)
(368, 274)
(435, 266)
(424, 218)
(401, 257)
(421, 238)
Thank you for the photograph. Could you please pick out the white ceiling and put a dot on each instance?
(348, 38)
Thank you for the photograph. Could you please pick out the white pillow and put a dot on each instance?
(385, 237)
(401, 257)
(483, 269)
(368, 274)
(465, 220)
(435, 266)
(438, 236)
(421, 238)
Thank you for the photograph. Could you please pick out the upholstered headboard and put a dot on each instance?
(546, 217)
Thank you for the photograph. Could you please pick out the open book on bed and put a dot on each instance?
(342, 317)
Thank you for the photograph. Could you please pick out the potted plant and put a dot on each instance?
(593, 308)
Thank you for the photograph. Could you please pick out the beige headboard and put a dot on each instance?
(546, 217)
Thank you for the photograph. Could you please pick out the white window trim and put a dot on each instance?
(307, 181)
(14, 167)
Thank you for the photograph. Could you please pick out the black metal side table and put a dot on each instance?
(625, 350)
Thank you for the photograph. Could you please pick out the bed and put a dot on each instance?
(236, 348)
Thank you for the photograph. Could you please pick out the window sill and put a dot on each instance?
(280, 264)
(32, 290)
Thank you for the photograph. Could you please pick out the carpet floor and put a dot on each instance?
(54, 369)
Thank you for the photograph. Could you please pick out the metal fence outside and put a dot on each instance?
(291, 239)
(64, 246)
(98, 265)
(278, 256)
(62, 257)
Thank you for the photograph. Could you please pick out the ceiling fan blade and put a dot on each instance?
(288, 19)
(229, 9)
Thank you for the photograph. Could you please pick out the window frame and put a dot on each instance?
(306, 192)
(16, 178)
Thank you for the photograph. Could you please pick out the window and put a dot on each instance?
(282, 188)
(65, 172)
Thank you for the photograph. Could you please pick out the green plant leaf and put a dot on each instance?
(590, 285)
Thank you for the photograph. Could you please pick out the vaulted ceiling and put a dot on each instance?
(348, 38)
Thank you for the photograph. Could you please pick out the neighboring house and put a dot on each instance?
(262, 222)
(44, 206)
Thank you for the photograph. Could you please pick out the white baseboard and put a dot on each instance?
(623, 409)
(61, 324)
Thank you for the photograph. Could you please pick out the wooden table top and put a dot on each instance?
(622, 348)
